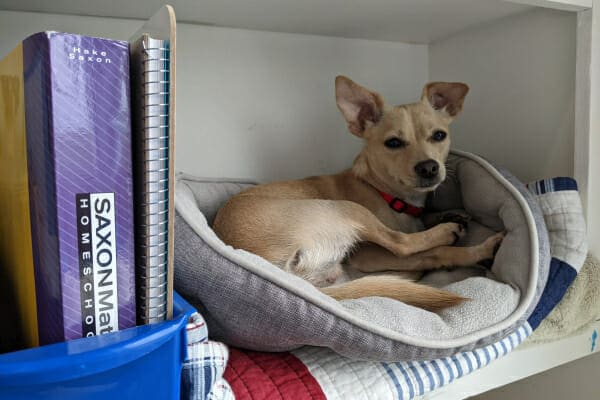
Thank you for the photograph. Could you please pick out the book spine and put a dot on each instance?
(42, 191)
(82, 142)
(17, 282)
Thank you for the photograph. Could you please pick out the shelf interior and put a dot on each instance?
(409, 21)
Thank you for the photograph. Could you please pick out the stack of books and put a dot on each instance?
(86, 190)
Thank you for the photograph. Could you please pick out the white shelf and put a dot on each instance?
(411, 21)
(567, 5)
(237, 65)
(519, 365)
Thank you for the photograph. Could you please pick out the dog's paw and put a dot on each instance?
(454, 231)
(461, 219)
(488, 249)
(460, 222)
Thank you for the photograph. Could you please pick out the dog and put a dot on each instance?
(364, 222)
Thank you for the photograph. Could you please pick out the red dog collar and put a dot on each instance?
(400, 206)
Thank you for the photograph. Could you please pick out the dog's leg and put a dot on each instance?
(371, 229)
(280, 224)
(310, 237)
(371, 258)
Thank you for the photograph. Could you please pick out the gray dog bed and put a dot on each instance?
(251, 303)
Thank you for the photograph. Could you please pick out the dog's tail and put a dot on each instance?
(396, 288)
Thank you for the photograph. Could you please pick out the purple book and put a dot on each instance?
(78, 134)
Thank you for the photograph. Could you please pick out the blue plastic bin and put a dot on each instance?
(137, 363)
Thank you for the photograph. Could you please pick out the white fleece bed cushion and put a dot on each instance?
(251, 303)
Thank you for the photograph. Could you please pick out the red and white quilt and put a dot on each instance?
(313, 373)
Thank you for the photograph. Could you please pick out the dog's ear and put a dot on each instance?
(360, 107)
(445, 97)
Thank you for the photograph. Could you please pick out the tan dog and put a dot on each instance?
(330, 229)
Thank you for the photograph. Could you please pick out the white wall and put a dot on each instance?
(261, 105)
(521, 70)
(257, 104)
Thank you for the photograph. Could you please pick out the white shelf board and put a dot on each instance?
(411, 21)
(566, 5)
(520, 364)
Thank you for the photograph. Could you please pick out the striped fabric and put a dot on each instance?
(343, 378)
(413, 379)
(316, 373)
(552, 185)
(202, 371)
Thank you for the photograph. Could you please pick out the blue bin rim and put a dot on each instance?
(82, 357)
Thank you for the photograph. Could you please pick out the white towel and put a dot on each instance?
(579, 308)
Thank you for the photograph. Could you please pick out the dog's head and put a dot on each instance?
(405, 146)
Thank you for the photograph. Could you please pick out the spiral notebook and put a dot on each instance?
(152, 82)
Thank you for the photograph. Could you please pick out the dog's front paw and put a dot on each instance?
(488, 249)
(458, 225)
(461, 219)
(454, 231)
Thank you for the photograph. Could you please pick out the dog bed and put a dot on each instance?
(318, 373)
(253, 304)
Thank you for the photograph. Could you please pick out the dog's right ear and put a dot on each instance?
(446, 97)
(360, 107)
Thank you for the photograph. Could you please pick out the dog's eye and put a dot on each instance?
(394, 143)
(438, 136)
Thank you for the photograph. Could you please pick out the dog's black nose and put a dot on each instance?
(427, 169)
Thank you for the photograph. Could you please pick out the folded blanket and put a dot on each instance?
(202, 371)
(312, 373)
(560, 203)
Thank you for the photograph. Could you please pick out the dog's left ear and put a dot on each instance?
(447, 97)
(360, 107)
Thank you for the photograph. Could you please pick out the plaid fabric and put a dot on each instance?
(552, 185)
(561, 205)
(202, 372)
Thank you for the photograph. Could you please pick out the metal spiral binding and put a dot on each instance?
(153, 210)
